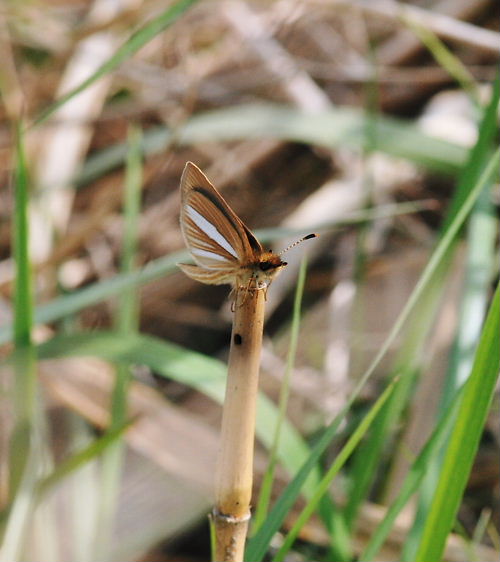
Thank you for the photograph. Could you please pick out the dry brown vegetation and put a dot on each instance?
(252, 62)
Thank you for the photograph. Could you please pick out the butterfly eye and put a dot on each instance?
(271, 264)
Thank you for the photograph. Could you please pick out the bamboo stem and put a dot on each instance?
(233, 488)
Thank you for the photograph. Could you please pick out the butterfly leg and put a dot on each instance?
(247, 289)
(233, 295)
(238, 300)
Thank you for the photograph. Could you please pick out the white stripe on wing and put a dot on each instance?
(210, 230)
(206, 254)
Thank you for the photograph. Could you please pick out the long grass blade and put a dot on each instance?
(126, 320)
(23, 291)
(342, 127)
(67, 305)
(464, 439)
(130, 47)
(23, 447)
(477, 158)
(445, 58)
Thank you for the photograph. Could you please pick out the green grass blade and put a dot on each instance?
(213, 540)
(16, 518)
(23, 291)
(268, 479)
(333, 128)
(477, 158)
(126, 320)
(464, 439)
(70, 304)
(325, 482)
(480, 265)
(130, 47)
(25, 383)
(127, 313)
(23, 444)
(445, 58)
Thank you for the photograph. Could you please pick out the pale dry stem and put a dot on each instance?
(233, 488)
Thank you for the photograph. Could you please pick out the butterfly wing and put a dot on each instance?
(206, 275)
(217, 239)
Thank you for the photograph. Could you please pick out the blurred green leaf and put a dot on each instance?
(23, 291)
(340, 127)
(79, 459)
(24, 439)
(187, 367)
(66, 305)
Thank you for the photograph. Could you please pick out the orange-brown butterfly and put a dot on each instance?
(223, 248)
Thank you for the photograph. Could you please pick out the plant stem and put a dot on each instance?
(233, 488)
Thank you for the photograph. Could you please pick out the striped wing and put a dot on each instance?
(217, 239)
(210, 276)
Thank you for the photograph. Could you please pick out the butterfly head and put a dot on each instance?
(266, 269)
(270, 264)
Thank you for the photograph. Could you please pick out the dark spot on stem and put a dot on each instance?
(238, 340)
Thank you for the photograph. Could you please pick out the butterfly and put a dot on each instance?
(224, 249)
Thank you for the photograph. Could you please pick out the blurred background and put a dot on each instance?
(350, 119)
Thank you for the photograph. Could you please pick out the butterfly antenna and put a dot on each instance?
(309, 236)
